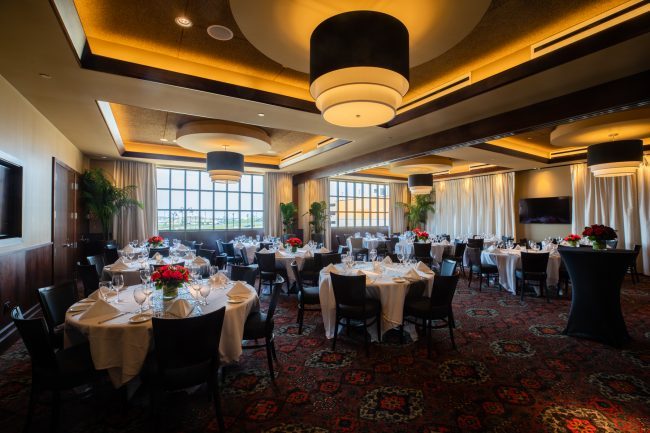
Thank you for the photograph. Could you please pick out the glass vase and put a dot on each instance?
(170, 291)
(599, 245)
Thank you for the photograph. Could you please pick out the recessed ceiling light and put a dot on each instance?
(260, 114)
(183, 21)
(530, 138)
(220, 33)
(272, 152)
(163, 139)
(46, 76)
(103, 157)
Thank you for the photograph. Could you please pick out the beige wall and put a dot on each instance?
(27, 136)
(548, 182)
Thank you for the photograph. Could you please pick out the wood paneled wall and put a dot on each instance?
(21, 273)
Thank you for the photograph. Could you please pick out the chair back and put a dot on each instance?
(474, 256)
(206, 254)
(266, 261)
(444, 288)
(327, 258)
(190, 244)
(505, 239)
(317, 263)
(221, 261)
(55, 301)
(356, 243)
(459, 250)
(243, 273)
(637, 250)
(35, 336)
(98, 262)
(287, 236)
(229, 249)
(162, 251)
(266, 245)
(475, 243)
(244, 257)
(189, 344)
(219, 248)
(534, 262)
(349, 289)
(110, 254)
(88, 276)
(340, 240)
(422, 249)
(273, 303)
(448, 267)
(343, 250)
(391, 245)
(446, 237)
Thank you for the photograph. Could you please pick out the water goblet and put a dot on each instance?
(118, 283)
(104, 290)
(139, 296)
(204, 291)
(372, 255)
(400, 257)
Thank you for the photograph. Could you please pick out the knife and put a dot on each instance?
(114, 317)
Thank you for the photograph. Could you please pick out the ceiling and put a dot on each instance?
(148, 105)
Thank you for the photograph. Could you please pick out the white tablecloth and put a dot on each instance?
(250, 248)
(121, 347)
(287, 257)
(508, 261)
(382, 287)
(438, 250)
(369, 243)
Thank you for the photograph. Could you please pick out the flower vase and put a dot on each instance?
(294, 249)
(169, 291)
(599, 245)
(573, 244)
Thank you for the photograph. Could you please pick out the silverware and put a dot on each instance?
(114, 317)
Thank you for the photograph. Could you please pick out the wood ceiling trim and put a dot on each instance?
(178, 158)
(511, 152)
(618, 95)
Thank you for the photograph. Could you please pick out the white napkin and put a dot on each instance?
(128, 249)
(308, 253)
(239, 246)
(387, 260)
(330, 268)
(200, 261)
(281, 254)
(218, 280)
(323, 250)
(182, 247)
(281, 247)
(518, 248)
(445, 242)
(264, 251)
(157, 257)
(180, 308)
(119, 266)
(98, 309)
(376, 266)
(423, 268)
(239, 290)
(491, 248)
(411, 274)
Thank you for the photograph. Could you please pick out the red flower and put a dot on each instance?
(599, 232)
(294, 242)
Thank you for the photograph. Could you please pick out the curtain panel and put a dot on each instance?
(399, 193)
(475, 205)
(132, 222)
(619, 202)
(309, 192)
(278, 188)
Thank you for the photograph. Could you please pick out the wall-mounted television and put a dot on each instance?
(545, 210)
(11, 199)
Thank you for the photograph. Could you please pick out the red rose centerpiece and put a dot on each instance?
(169, 278)
(155, 241)
(599, 234)
(572, 240)
(421, 235)
(294, 243)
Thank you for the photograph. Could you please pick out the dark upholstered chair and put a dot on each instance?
(475, 243)
(267, 270)
(190, 244)
(352, 304)
(98, 262)
(533, 268)
(422, 252)
(207, 254)
(459, 255)
(448, 267)
(186, 354)
(632, 269)
(110, 254)
(88, 276)
(243, 273)
(260, 325)
(55, 301)
(51, 371)
(476, 267)
(329, 258)
(162, 251)
(229, 249)
(436, 307)
(306, 296)
(221, 261)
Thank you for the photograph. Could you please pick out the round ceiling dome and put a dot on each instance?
(422, 165)
(210, 135)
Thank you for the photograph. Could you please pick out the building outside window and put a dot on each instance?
(358, 204)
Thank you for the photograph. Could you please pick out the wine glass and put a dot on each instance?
(213, 270)
(104, 290)
(400, 256)
(372, 255)
(145, 274)
(139, 296)
(118, 283)
(204, 290)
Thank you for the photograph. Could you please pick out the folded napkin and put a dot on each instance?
(411, 274)
(423, 268)
(445, 242)
(157, 257)
(281, 247)
(323, 250)
(264, 251)
(99, 309)
(239, 290)
(119, 266)
(239, 246)
(182, 247)
(218, 280)
(282, 254)
(200, 261)
(387, 260)
(128, 249)
(376, 266)
(518, 247)
(308, 253)
(180, 308)
(330, 268)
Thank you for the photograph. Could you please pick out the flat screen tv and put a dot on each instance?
(11, 200)
(546, 210)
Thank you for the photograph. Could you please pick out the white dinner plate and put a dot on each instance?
(140, 318)
(399, 280)
(236, 300)
(78, 307)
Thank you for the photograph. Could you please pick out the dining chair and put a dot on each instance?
(55, 301)
(340, 240)
(260, 325)
(244, 256)
(267, 270)
(218, 247)
(358, 251)
(448, 267)
(459, 255)
(477, 267)
(306, 296)
(190, 244)
(533, 268)
(98, 262)
(185, 354)
(229, 249)
(221, 261)
(52, 371)
(352, 304)
(164, 251)
(265, 245)
(329, 258)
(437, 307)
(88, 276)
(311, 268)
(475, 243)
(632, 268)
(110, 254)
(422, 252)
(342, 250)
(243, 273)
(207, 254)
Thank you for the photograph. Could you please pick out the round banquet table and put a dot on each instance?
(379, 286)
(596, 278)
(438, 250)
(121, 347)
(508, 261)
(287, 257)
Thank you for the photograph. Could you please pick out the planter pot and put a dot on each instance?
(169, 292)
(599, 245)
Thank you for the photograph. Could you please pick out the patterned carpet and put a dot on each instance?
(513, 372)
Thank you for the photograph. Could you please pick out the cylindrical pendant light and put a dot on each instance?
(225, 167)
(359, 67)
(420, 184)
(615, 158)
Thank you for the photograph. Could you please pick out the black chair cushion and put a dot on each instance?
(373, 307)
(255, 326)
(486, 269)
(519, 274)
(311, 295)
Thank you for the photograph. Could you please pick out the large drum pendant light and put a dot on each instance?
(225, 167)
(615, 158)
(420, 184)
(359, 67)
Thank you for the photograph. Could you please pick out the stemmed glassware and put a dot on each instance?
(372, 255)
(139, 296)
(104, 289)
(204, 290)
(118, 283)
(400, 256)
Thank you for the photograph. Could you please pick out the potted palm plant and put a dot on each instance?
(288, 212)
(416, 211)
(319, 215)
(103, 200)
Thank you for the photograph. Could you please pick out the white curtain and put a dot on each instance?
(475, 205)
(619, 202)
(132, 222)
(398, 193)
(309, 192)
(278, 188)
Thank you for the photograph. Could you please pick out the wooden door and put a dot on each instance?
(64, 221)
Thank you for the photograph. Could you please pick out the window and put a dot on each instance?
(358, 204)
(188, 200)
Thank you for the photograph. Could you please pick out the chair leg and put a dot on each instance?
(451, 335)
(30, 408)
(217, 406)
(428, 334)
(269, 358)
(301, 312)
(275, 357)
(469, 279)
(336, 333)
(480, 280)
(401, 333)
(365, 341)
(379, 327)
